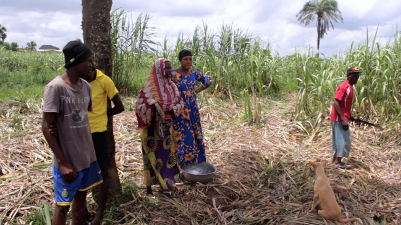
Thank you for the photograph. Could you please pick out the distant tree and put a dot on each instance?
(78, 39)
(14, 46)
(5, 45)
(3, 31)
(326, 11)
(31, 45)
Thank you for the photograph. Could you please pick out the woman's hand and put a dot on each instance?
(169, 112)
(203, 87)
(210, 82)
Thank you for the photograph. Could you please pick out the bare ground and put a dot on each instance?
(263, 174)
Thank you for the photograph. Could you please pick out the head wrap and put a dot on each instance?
(157, 95)
(184, 53)
(75, 52)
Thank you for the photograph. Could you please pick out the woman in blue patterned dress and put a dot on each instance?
(187, 126)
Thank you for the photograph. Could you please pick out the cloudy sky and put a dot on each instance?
(55, 22)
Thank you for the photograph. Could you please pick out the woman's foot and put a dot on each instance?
(149, 190)
(168, 193)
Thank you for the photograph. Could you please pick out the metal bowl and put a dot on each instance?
(202, 172)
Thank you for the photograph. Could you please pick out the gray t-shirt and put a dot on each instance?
(74, 134)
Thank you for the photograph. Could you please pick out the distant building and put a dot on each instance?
(48, 48)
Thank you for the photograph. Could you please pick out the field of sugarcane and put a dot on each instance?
(264, 118)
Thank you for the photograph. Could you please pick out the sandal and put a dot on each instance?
(345, 166)
(168, 193)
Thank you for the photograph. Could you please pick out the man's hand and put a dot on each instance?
(53, 130)
(345, 125)
(68, 172)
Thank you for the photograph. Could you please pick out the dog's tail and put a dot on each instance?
(350, 220)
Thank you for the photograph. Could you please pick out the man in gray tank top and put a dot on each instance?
(67, 100)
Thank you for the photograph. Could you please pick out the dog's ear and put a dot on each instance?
(312, 164)
(324, 162)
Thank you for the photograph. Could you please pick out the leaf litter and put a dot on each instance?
(263, 173)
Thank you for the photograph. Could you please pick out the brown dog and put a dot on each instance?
(323, 190)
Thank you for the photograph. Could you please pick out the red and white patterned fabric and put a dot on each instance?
(158, 90)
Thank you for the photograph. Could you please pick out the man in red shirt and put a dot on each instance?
(340, 116)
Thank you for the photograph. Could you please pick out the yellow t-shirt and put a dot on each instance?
(102, 88)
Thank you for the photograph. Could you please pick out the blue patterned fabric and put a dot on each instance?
(187, 126)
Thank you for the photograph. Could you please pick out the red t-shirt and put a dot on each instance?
(344, 94)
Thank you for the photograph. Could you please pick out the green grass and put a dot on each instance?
(376, 95)
(23, 76)
(139, 81)
(42, 216)
(240, 64)
(22, 94)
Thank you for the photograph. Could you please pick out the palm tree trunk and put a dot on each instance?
(319, 19)
(96, 28)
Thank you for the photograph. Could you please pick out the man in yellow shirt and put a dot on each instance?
(102, 89)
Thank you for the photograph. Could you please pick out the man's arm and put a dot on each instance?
(344, 122)
(118, 106)
(66, 169)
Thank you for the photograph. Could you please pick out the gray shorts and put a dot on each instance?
(341, 140)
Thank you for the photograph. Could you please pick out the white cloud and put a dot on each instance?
(57, 22)
(44, 27)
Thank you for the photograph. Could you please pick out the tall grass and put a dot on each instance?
(24, 74)
(132, 50)
(377, 93)
(241, 66)
(239, 63)
(235, 59)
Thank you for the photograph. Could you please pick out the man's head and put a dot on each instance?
(353, 75)
(78, 57)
